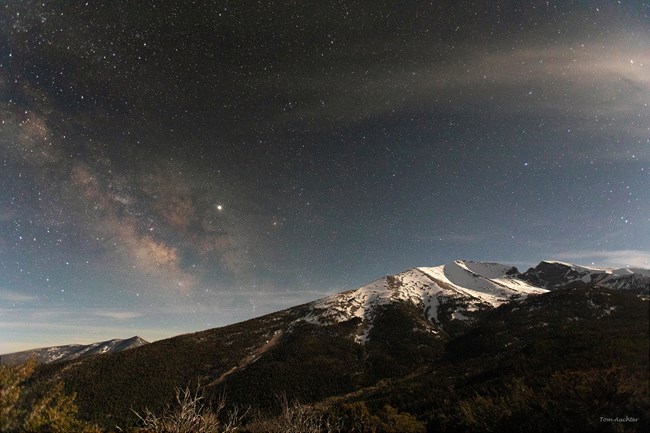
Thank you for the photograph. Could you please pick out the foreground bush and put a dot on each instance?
(28, 410)
(356, 418)
(189, 413)
(297, 418)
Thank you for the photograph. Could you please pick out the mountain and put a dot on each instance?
(437, 342)
(447, 294)
(73, 351)
(552, 362)
(559, 275)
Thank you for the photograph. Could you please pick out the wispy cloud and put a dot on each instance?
(603, 84)
(119, 315)
(613, 258)
(17, 297)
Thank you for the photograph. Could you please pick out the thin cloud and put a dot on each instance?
(11, 296)
(614, 258)
(604, 82)
(119, 315)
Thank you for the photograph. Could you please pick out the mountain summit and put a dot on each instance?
(47, 355)
(455, 291)
(458, 290)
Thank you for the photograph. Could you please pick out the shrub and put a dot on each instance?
(393, 421)
(189, 413)
(297, 418)
(27, 410)
(356, 418)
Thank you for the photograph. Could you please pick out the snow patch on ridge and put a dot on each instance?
(492, 286)
(475, 285)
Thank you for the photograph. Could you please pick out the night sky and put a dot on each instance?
(172, 166)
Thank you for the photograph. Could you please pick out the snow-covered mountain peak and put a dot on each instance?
(454, 292)
(491, 283)
(468, 286)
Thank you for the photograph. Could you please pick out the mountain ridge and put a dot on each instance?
(555, 275)
(354, 340)
(481, 284)
(45, 355)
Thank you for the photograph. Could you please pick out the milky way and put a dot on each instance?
(173, 166)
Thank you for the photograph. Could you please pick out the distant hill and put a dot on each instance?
(469, 345)
(47, 355)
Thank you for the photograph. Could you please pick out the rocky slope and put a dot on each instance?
(554, 275)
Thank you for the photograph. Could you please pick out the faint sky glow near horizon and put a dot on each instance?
(168, 167)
